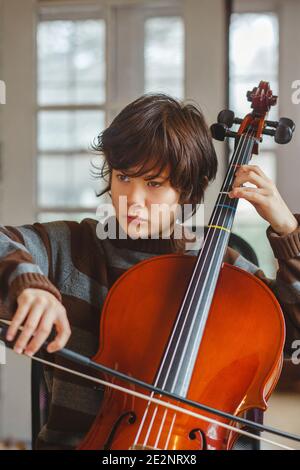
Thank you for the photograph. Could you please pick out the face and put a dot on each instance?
(144, 207)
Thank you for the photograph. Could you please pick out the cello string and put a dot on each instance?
(234, 158)
(170, 432)
(150, 426)
(160, 428)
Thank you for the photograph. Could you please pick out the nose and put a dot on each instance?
(136, 198)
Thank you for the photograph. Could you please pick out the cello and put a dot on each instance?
(206, 332)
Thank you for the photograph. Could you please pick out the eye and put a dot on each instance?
(122, 177)
(154, 184)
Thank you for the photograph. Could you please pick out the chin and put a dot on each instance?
(137, 232)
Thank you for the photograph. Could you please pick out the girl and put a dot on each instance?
(158, 153)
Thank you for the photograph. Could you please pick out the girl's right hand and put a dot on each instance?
(38, 311)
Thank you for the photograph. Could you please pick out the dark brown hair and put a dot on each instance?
(156, 130)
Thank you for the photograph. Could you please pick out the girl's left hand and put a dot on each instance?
(265, 198)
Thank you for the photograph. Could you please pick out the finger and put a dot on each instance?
(29, 327)
(246, 189)
(256, 169)
(18, 318)
(250, 194)
(43, 331)
(63, 334)
(250, 177)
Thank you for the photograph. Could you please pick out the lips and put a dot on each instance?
(130, 218)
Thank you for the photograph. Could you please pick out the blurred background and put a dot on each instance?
(71, 66)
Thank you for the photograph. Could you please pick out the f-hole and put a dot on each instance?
(131, 420)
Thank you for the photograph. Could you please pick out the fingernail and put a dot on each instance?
(29, 353)
(9, 337)
(18, 350)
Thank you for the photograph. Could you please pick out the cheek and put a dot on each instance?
(165, 203)
(170, 197)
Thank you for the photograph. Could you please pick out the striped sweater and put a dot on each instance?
(67, 259)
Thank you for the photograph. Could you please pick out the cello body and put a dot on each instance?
(237, 367)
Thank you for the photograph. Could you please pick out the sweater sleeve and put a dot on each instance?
(286, 285)
(24, 263)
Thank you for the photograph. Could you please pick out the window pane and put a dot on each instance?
(253, 44)
(71, 62)
(255, 235)
(164, 56)
(68, 130)
(66, 181)
(253, 56)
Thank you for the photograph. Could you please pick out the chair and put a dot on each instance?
(39, 400)
(40, 395)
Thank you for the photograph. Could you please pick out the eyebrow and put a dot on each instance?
(156, 177)
(149, 177)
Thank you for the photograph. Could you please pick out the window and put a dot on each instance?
(164, 56)
(253, 56)
(90, 63)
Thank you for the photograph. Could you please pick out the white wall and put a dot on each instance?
(19, 112)
(17, 137)
(289, 70)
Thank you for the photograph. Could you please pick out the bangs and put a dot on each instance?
(140, 165)
(140, 153)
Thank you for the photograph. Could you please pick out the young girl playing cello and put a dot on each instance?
(158, 152)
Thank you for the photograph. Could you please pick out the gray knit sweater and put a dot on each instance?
(67, 259)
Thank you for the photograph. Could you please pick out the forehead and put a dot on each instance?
(150, 171)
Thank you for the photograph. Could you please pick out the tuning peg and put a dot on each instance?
(284, 130)
(250, 93)
(287, 122)
(218, 131)
(226, 116)
(283, 134)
